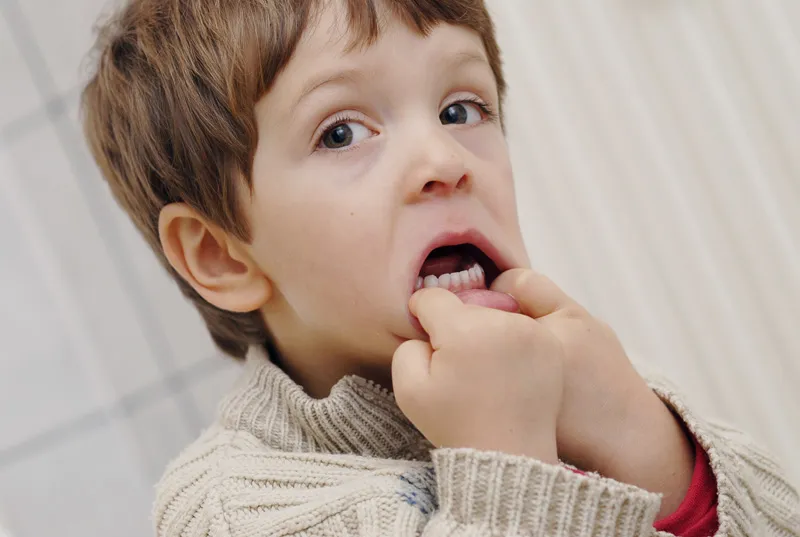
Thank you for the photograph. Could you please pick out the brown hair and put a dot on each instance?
(169, 113)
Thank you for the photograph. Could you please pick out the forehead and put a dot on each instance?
(333, 41)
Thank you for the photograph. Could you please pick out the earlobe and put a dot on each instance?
(211, 261)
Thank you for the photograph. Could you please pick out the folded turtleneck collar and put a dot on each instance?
(358, 417)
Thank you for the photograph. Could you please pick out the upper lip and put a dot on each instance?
(454, 238)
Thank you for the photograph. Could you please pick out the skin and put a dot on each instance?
(336, 235)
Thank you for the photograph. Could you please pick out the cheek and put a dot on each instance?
(485, 142)
(492, 168)
(322, 255)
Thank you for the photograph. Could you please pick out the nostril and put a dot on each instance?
(435, 185)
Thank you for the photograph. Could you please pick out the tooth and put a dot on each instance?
(431, 281)
(479, 270)
(419, 283)
(465, 278)
(455, 281)
(444, 281)
(473, 274)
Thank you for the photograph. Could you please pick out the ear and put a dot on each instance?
(211, 261)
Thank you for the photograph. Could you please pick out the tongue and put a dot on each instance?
(443, 264)
(489, 299)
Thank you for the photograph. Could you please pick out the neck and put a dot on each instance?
(318, 362)
(317, 376)
(318, 370)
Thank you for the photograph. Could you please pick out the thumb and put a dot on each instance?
(410, 372)
(537, 295)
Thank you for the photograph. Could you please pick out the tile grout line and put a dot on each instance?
(38, 117)
(126, 406)
(154, 334)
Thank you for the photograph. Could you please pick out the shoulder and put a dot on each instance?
(187, 496)
(229, 478)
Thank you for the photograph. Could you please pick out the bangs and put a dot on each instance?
(365, 19)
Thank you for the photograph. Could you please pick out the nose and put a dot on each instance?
(437, 167)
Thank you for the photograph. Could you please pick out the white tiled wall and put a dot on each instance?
(655, 146)
(106, 373)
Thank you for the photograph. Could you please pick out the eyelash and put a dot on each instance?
(485, 108)
(343, 117)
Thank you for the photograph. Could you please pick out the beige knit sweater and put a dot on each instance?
(279, 463)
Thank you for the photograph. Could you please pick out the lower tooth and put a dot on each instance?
(420, 283)
(444, 281)
(465, 277)
(431, 281)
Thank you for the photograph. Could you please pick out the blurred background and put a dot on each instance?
(656, 150)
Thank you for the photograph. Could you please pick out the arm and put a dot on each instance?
(244, 491)
(754, 497)
(613, 422)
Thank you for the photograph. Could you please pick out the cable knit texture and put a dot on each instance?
(278, 463)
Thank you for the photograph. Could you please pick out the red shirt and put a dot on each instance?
(697, 514)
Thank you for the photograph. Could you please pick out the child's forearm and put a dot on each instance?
(651, 450)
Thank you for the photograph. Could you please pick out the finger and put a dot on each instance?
(537, 295)
(410, 370)
(436, 309)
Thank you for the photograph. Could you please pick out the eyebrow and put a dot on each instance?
(463, 58)
(352, 76)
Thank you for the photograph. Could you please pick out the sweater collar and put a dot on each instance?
(358, 417)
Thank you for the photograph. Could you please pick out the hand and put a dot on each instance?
(488, 379)
(610, 421)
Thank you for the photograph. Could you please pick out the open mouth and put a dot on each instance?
(461, 267)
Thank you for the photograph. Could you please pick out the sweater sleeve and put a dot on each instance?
(482, 493)
(755, 499)
(218, 493)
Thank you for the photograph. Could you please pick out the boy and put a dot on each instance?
(329, 183)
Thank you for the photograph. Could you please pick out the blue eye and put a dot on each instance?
(342, 135)
(462, 113)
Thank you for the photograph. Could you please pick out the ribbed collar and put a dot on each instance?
(358, 417)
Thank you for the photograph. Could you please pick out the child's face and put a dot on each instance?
(365, 159)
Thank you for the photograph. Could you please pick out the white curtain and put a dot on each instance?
(656, 147)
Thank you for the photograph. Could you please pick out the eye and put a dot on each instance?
(343, 134)
(463, 113)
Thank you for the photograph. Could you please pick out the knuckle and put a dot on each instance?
(525, 329)
(470, 324)
(575, 312)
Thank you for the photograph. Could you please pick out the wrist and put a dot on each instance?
(651, 450)
(543, 448)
